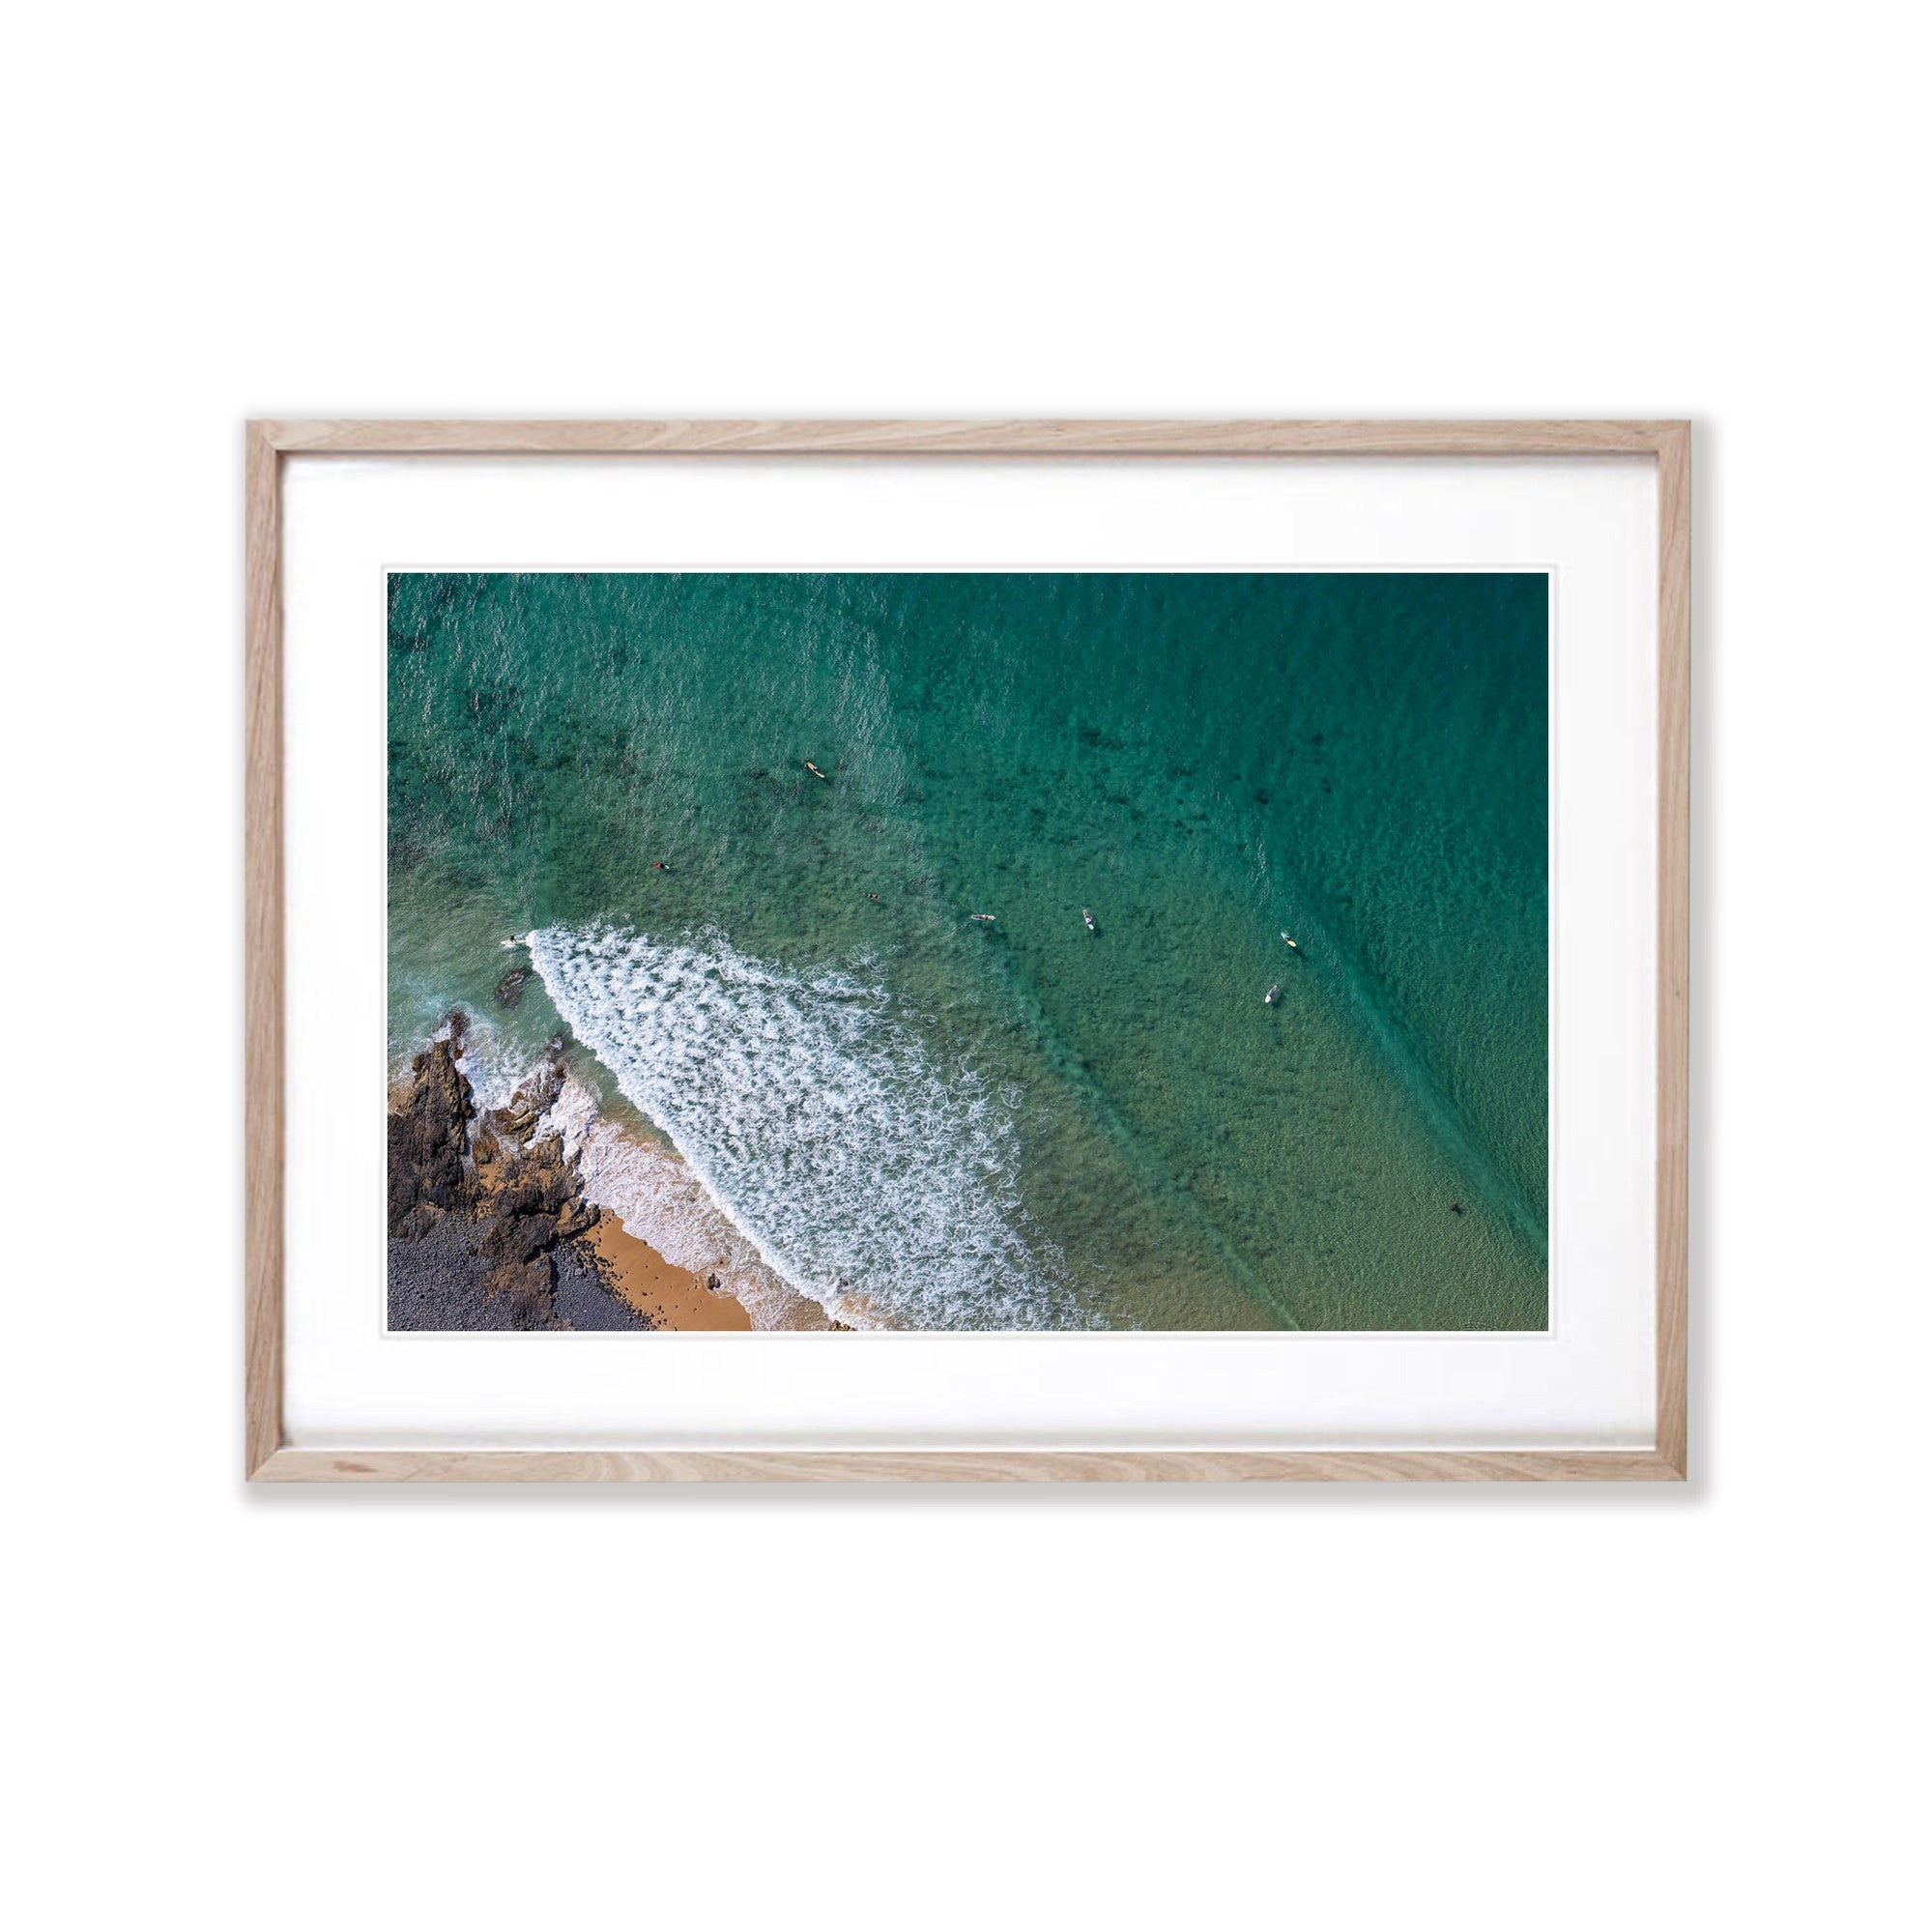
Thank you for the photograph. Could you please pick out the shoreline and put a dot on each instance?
(666, 1295)
(486, 1211)
(667, 1230)
(546, 1211)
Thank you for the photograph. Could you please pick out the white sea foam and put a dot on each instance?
(494, 1066)
(654, 1191)
(871, 1177)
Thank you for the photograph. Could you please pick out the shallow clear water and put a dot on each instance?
(1024, 1123)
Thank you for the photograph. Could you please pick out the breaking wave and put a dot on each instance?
(651, 1190)
(871, 1175)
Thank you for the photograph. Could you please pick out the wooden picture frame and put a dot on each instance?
(269, 1457)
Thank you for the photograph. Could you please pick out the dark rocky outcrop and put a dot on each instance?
(501, 1201)
(429, 1140)
(526, 1285)
(435, 1282)
(529, 1196)
(509, 989)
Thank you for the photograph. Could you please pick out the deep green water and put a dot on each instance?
(1024, 1123)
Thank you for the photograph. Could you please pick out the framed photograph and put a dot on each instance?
(967, 951)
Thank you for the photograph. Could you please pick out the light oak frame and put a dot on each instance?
(270, 1458)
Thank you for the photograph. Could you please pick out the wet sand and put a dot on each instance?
(666, 1297)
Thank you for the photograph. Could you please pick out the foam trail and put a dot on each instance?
(873, 1177)
(649, 1187)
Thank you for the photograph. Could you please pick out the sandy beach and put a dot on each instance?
(542, 1213)
(666, 1297)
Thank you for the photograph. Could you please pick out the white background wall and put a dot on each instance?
(1336, 1709)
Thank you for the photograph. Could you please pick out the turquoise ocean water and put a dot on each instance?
(1022, 1123)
